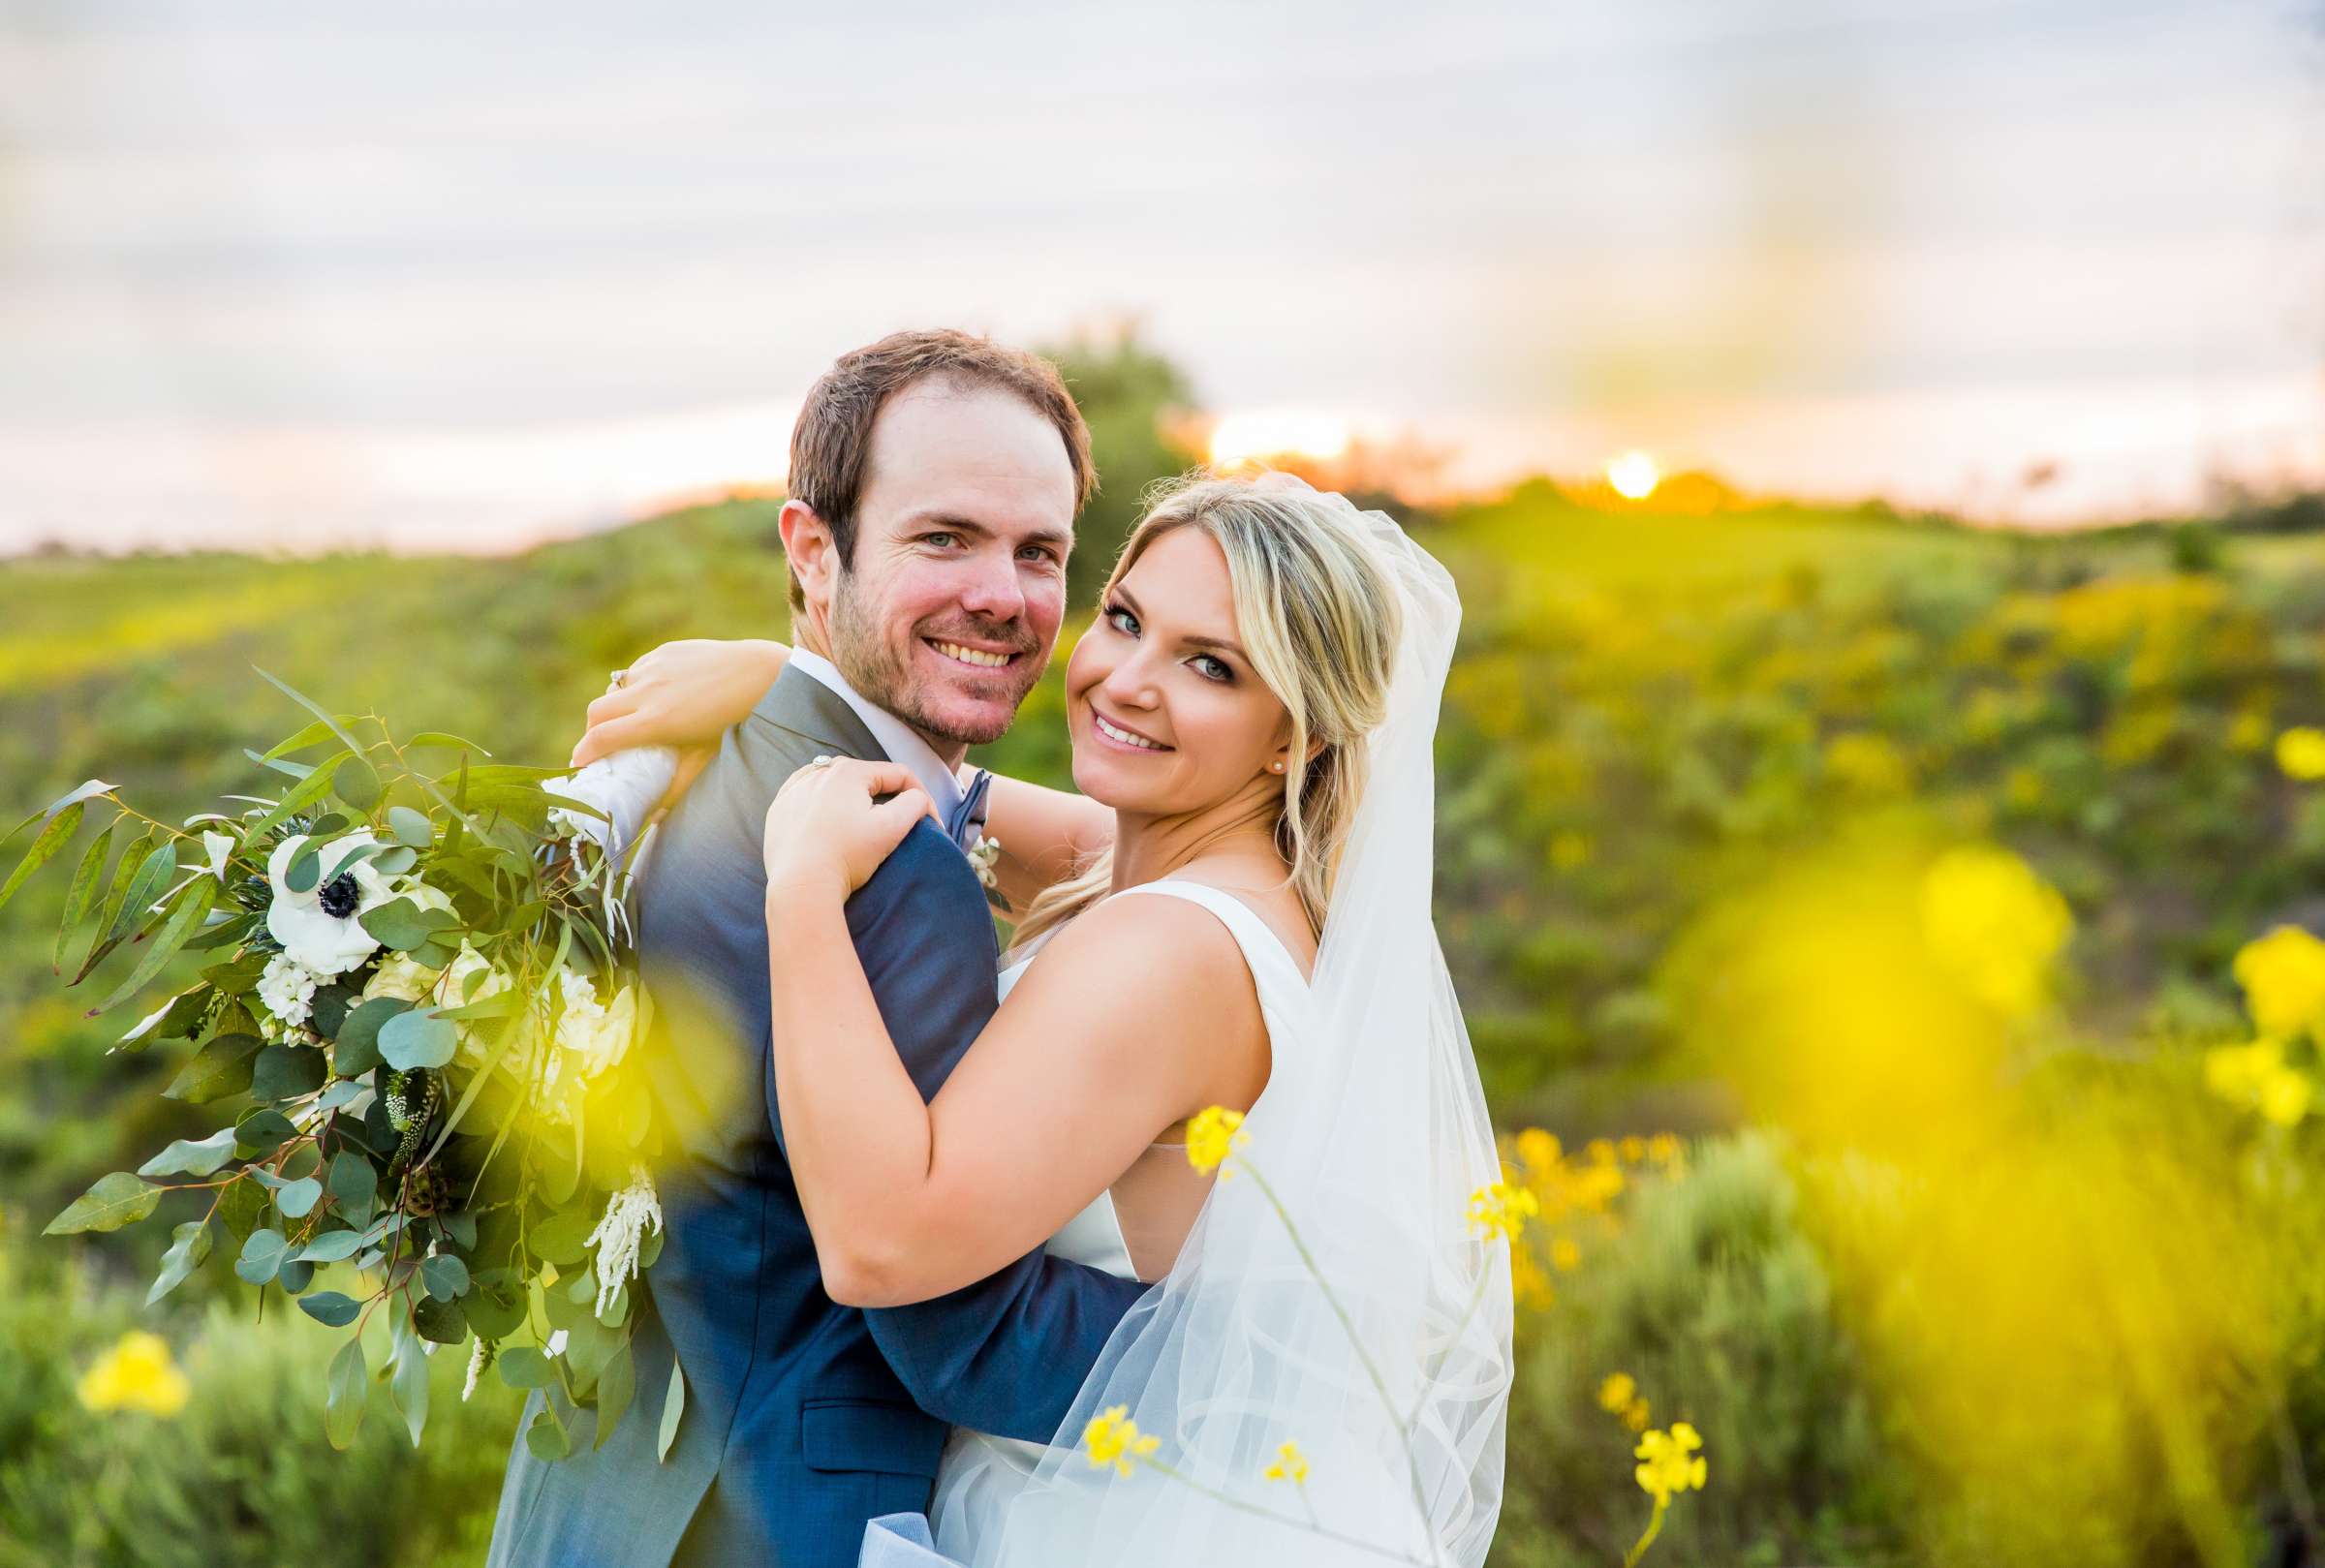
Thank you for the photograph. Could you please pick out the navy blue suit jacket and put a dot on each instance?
(803, 1418)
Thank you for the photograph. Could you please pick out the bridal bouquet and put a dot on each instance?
(415, 1026)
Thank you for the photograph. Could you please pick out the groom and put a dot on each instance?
(934, 477)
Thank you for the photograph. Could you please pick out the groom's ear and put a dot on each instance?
(811, 552)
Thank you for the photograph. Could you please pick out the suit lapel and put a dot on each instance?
(813, 711)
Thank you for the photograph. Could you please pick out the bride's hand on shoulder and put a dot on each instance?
(827, 830)
(682, 694)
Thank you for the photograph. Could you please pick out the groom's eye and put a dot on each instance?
(940, 539)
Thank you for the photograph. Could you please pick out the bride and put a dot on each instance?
(1233, 912)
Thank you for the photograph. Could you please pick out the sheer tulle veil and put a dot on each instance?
(1370, 1136)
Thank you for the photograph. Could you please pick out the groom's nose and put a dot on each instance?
(989, 586)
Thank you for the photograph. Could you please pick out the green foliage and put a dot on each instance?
(1128, 395)
(1715, 1302)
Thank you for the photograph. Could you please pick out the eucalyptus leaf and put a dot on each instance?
(443, 1322)
(220, 1069)
(617, 1384)
(116, 1200)
(331, 1247)
(562, 1238)
(295, 1276)
(331, 1004)
(84, 892)
(356, 1050)
(285, 1072)
(52, 837)
(348, 1387)
(188, 1246)
(546, 1438)
(152, 875)
(444, 1277)
(419, 1038)
(411, 828)
(354, 1181)
(357, 783)
(261, 1256)
(263, 1131)
(396, 860)
(409, 1387)
(673, 1406)
(190, 1156)
(524, 1367)
(331, 1309)
(297, 1199)
(192, 906)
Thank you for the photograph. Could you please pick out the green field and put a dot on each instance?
(1651, 717)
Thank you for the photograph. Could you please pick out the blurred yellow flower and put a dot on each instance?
(2283, 976)
(1214, 1133)
(1995, 924)
(1601, 1151)
(1114, 1438)
(2284, 1097)
(1667, 1468)
(1565, 1256)
(136, 1374)
(1636, 1415)
(1617, 1392)
(1593, 1187)
(1538, 1149)
(1290, 1465)
(1633, 1149)
(1868, 764)
(2301, 754)
(1662, 1149)
(1528, 1285)
(1503, 1210)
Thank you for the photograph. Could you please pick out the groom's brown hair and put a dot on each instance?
(831, 443)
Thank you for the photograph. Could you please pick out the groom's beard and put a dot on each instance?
(886, 674)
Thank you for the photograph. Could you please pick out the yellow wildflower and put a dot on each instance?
(1114, 1438)
(2301, 754)
(1594, 1187)
(2284, 1097)
(1662, 1149)
(2283, 976)
(1565, 1256)
(1539, 1151)
(1503, 1210)
(136, 1374)
(1601, 1151)
(1667, 1468)
(1633, 1149)
(1617, 1392)
(1636, 1415)
(1214, 1133)
(1290, 1465)
(1995, 924)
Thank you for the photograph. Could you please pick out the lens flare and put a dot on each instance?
(1633, 475)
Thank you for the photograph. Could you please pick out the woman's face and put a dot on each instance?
(1167, 714)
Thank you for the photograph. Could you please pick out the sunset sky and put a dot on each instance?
(458, 274)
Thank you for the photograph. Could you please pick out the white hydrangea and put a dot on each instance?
(288, 989)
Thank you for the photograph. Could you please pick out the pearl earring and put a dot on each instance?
(1275, 767)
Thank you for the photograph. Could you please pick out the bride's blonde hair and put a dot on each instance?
(1319, 620)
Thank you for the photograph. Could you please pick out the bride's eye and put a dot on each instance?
(1122, 620)
(1215, 668)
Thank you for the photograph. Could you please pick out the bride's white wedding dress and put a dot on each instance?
(981, 1473)
(1379, 1339)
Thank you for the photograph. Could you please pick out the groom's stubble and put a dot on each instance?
(882, 674)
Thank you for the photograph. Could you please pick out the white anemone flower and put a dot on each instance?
(323, 927)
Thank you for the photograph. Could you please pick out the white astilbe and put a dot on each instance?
(620, 1234)
(478, 1359)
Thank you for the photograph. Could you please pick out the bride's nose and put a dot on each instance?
(1132, 683)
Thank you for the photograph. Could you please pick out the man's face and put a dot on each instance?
(949, 611)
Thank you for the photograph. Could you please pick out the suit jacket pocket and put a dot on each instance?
(884, 1436)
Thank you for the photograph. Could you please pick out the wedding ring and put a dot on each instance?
(613, 682)
(820, 763)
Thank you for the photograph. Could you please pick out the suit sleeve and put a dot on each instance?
(1008, 1354)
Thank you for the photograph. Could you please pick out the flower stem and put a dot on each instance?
(1655, 1525)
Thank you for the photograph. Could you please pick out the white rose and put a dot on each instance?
(422, 895)
(401, 976)
(326, 935)
(595, 1032)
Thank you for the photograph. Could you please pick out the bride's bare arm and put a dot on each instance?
(1136, 1016)
(685, 693)
(1046, 835)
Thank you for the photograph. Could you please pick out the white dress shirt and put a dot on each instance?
(898, 739)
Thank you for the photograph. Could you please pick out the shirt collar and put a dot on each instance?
(898, 739)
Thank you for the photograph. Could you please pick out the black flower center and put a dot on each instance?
(339, 897)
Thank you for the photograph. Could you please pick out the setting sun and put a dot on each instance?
(1262, 433)
(1633, 475)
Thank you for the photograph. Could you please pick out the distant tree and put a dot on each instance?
(1133, 399)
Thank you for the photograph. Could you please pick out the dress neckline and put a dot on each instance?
(1210, 897)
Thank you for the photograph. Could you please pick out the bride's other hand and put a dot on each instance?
(682, 695)
(827, 831)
